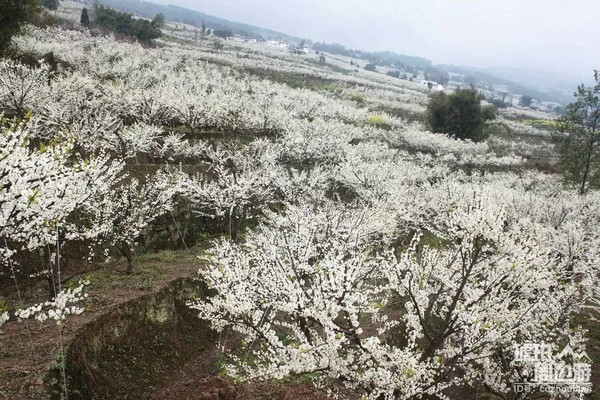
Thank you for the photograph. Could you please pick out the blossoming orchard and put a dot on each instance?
(343, 245)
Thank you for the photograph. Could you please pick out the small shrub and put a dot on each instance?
(50, 4)
(358, 99)
(526, 101)
(498, 103)
(378, 120)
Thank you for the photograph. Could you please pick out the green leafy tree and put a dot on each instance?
(222, 33)
(14, 14)
(578, 138)
(526, 101)
(50, 4)
(443, 78)
(85, 18)
(125, 24)
(371, 67)
(459, 114)
(499, 103)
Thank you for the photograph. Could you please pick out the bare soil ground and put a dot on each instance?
(198, 381)
(28, 348)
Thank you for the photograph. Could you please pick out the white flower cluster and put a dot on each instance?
(4, 317)
(59, 308)
(21, 87)
(42, 187)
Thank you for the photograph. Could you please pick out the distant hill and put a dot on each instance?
(191, 17)
(522, 84)
(551, 82)
(149, 9)
(542, 86)
(387, 58)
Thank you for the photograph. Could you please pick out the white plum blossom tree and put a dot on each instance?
(123, 216)
(41, 188)
(22, 87)
(385, 259)
(322, 291)
(236, 187)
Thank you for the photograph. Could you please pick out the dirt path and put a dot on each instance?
(28, 348)
(197, 381)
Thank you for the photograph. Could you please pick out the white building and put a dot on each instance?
(436, 87)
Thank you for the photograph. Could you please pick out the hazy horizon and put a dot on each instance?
(544, 35)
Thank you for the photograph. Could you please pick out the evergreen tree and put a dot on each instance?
(85, 18)
(578, 138)
(371, 67)
(158, 21)
(50, 4)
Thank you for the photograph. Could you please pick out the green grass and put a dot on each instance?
(167, 256)
(378, 120)
(296, 81)
(399, 113)
(174, 39)
(148, 268)
(144, 277)
(540, 123)
(339, 70)
(331, 88)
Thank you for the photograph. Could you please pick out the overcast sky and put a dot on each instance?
(562, 36)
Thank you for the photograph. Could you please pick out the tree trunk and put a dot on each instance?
(126, 251)
(52, 274)
(587, 166)
(584, 179)
(52, 292)
(129, 266)
(232, 230)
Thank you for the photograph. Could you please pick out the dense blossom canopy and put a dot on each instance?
(362, 249)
